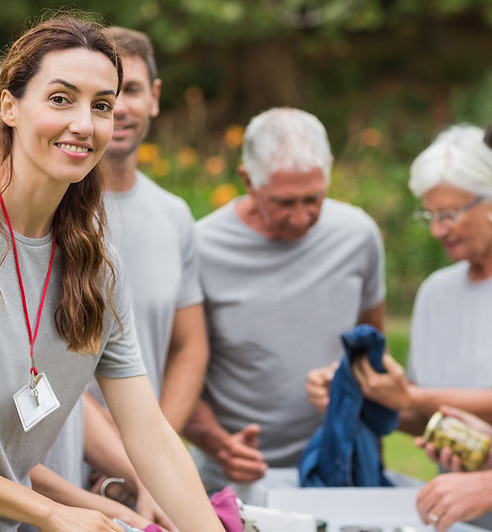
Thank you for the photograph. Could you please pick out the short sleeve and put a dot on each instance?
(121, 355)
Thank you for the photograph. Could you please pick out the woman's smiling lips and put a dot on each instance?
(77, 151)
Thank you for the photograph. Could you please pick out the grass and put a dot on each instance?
(399, 452)
(401, 455)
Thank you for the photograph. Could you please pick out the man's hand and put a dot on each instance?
(389, 389)
(240, 458)
(318, 383)
(454, 497)
(147, 510)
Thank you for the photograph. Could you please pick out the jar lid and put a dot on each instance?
(431, 425)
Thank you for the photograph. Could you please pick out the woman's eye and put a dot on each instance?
(58, 99)
(103, 106)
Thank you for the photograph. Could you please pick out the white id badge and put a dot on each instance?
(33, 405)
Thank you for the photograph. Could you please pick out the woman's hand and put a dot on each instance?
(63, 518)
(390, 389)
(445, 457)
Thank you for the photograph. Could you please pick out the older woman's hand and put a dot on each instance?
(389, 389)
(445, 458)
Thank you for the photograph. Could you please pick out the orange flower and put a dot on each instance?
(160, 167)
(187, 157)
(371, 137)
(223, 194)
(147, 153)
(214, 165)
(233, 137)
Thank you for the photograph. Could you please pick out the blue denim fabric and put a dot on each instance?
(345, 450)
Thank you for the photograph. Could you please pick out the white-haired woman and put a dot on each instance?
(450, 359)
(450, 335)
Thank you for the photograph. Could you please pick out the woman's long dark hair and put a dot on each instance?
(87, 269)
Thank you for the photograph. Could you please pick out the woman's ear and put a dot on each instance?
(156, 94)
(8, 107)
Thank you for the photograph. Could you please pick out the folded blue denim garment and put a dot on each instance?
(345, 450)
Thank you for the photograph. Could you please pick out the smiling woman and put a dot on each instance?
(449, 358)
(58, 85)
(63, 121)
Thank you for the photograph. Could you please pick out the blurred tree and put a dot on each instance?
(383, 76)
(247, 55)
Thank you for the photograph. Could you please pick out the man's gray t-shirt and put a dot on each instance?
(153, 231)
(450, 343)
(67, 372)
(275, 310)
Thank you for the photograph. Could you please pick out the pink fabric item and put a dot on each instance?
(152, 528)
(224, 503)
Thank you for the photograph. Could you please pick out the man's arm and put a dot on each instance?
(160, 458)
(412, 422)
(185, 367)
(204, 430)
(237, 453)
(374, 316)
(105, 452)
(103, 448)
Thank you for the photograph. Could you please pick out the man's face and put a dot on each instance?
(291, 202)
(135, 106)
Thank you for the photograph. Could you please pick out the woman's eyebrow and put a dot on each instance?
(59, 81)
(77, 90)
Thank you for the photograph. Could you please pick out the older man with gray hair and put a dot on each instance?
(285, 271)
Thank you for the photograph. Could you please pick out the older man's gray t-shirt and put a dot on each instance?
(275, 310)
(67, 372)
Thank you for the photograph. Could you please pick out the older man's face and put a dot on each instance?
(291, 203)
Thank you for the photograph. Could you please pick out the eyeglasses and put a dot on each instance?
(446, 216)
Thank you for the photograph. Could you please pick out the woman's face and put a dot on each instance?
(469, 236)
(64, 120)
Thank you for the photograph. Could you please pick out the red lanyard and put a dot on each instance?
(32, 338)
